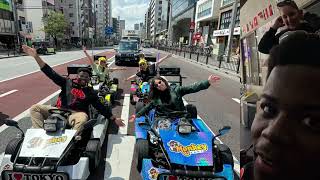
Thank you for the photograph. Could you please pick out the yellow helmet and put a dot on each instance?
(102, 59)
(142, 62)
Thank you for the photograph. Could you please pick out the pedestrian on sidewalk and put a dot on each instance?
(286, 128)
(291, 19)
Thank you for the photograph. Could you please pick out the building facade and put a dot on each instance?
(182, 15)
(206, 20)
(147, 22)
(220, 36)
(116, 31)
(136, 27)
(122, 26)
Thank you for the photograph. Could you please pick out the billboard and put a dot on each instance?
(5, 5)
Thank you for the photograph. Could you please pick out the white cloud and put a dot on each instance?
(132, 11)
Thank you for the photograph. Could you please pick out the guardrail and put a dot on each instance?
(205, 56)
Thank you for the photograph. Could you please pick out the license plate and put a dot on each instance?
(166, 177)
(9, 175)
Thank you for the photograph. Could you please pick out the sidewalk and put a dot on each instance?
(229, 73)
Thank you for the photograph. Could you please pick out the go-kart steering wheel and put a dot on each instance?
(59, 111)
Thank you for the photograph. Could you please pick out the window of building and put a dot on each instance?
(226, 19)
(71, 23)
(226, 2)
(159, 19)
(71, 15)
(70, 5)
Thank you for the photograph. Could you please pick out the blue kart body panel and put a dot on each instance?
(193, 149)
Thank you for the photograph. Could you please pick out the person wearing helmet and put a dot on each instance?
(146, 70)
(100, 68)
(291, 19)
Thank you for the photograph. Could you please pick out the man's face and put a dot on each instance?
(286, 128)
(84, 78)
(291, 17)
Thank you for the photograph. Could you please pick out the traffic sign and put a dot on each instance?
(108, 30)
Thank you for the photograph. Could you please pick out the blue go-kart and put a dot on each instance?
(176, 145)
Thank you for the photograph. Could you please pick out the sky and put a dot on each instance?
(132, 11)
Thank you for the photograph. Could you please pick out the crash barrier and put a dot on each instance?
(204, 55)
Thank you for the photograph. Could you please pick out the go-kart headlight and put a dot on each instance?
(185, 129)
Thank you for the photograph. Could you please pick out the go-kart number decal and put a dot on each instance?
(177, 147)
(153, 173)
(38, 141)
(20, 176)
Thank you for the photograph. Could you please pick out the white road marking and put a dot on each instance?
(236, 100)
(39, 69)
(7, 93)
(119, 156)
(125, 114)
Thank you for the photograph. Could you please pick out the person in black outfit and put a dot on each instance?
(291, 17)
(75, 95)
(286, 128)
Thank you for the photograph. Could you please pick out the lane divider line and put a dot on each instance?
(125, 114)
(236, 100)
(7, 93)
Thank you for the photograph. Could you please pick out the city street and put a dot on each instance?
(217, 106)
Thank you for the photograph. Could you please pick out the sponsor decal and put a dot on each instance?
(38, 141)
(177, 147)
(20, 176)
(153, 173)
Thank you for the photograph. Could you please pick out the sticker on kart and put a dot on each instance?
(38, 143)
(153, 173)
(177, 147)
(9, 175)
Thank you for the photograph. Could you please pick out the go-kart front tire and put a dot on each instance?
(115, 81)
(93, 152)
(192, 110)
(131, 98)
(142, 149)
(225, 155)
(13, 148)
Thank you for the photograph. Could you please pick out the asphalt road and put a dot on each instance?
(215, 105)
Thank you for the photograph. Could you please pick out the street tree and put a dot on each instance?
(55, 25)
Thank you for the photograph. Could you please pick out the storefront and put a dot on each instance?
(220, 38)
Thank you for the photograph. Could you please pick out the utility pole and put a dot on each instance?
(16, 23)
(231, 29)
(169, 25)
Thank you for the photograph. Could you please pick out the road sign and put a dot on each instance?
(108, 30)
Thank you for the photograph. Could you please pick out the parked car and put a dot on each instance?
(44, 47)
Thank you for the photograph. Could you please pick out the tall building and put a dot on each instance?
(108, 10)
(147, 22)
(71, 11)
(158, 19)
(137, 27)
(122, 26)
(116, 31)
(101, 20)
